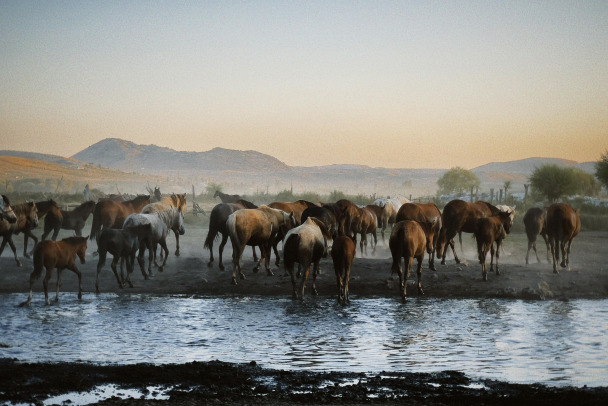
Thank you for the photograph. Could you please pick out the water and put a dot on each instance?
(552, 342)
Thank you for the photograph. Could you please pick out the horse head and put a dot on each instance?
(6, 211)
(32, 214)
(217, 193)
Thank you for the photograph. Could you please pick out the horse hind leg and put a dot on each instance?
(113, 266)
(11, 244)
(36, 273)
(58, 285)
(221, 252)
(100, 264)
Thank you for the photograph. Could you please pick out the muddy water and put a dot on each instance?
(552, 342)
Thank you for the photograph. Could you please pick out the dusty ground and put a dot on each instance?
(220, 383)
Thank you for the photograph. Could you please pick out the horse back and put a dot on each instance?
(407, 239)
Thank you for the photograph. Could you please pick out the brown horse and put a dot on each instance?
(349, 222)
(296, 208)
(123, 245)
(43, 207)
(424, 212)
(305, 244)
(111, 214)
(563, 224)
(178, 201)
(49, 255)
(459, 216)
(408, 240)
(27, 218)
(226, 198)
(217, 225)
(490, 230)
(367, 224)
(534, 223)
(255, 227)
(74, 219)
(6, 211)
(342, 254)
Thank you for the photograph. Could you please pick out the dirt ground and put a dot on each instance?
(221, 383)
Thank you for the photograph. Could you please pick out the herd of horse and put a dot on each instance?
(126, 228)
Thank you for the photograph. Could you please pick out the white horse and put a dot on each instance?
(390, 208)
(6, 211)
(152, 229)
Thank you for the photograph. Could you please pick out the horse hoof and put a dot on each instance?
(177, 253)
(19, 264)
(256, 269)
(95, 253)
(26, 256)
(222, 267)
(234, 281)
(270, 273)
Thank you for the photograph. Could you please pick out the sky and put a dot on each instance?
(396, 84)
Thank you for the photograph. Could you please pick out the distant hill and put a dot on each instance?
(130, 157)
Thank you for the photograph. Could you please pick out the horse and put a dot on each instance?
(112, 214)
(324, 214)
(367, 224)
(49, 255)
(296, 208)
(563, 224)
(255, 227)
(424, 212)
(27, 218)
(123, 245)
(459, 216)
(6, 211)
(390, 207)
(43, 208)
(305, 244)
(217, 224)
(408, 240)
(342, 254)
(490, 230)
(350, 218)
(226, 198)
(152, 229)
(74, 219)
(535, 225)
(178, 201)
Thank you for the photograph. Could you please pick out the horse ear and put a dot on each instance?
(86, 238)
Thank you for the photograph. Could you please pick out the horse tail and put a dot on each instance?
(38, 261)
(96, 226)
(211, 236)
(290, 249)
(232, 232)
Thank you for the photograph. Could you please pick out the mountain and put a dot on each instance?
(130, 157)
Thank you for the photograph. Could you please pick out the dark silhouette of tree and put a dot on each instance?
(601, 170)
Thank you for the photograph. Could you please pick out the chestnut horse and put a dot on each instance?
(459, 216)
(256, 227)
(349, 221)
(49, 255)
(490, 230)
(305, 244)
(74, 219)
(342, 254)
(563, 224)
(47, 206)
(534, 223)
(217, 225)
(178, 201)
(226, 198)
(408, 240)
(27, 218)
(111, 214)
(424, 212)
(296, 208)
(367, 224)
(6, 211)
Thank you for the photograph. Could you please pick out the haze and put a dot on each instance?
(401, 84)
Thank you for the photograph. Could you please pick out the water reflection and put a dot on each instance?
(553, 342)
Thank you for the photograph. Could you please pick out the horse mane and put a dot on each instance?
(74, 240)
(84, 207)
(246, 203)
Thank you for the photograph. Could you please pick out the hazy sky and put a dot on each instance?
(408, 84)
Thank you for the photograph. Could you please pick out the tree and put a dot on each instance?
(212, 187)
(553, 182)
(586, 185)
(457, 180)
(601, 169)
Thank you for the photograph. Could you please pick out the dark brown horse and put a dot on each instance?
(74, 219)
(6, 211)
(324, 214)
(425, 213)
(43, 207)
(123, 245)
(563, 224)
(535, 225)
(111, 214)
(226, 198)
(490, 230)
(49, 255)
(296, 208)
(342, 254)
(217, 225)
(27, 218)
(409, 240)
(459, 216)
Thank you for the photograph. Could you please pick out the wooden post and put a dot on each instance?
(500, 193)
(526, 186)
(492, 196)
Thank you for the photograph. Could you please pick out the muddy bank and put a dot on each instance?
(223, 383)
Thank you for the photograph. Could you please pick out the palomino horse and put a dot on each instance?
(408, 240)
(490, 230)
(123, 245)
(74, 219)
(390, 207)
(226, 198)
(255, 227)
(178, 201)
(459, 216)
(152, 229)
(342, 254)
(111, 214)
(6, 211)
(424, 212)
(43, 207)
(534, 223)
(368, 223)
(27, 218)
(305, 244)
(563, 224)
(217, 225)
(49, 255)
